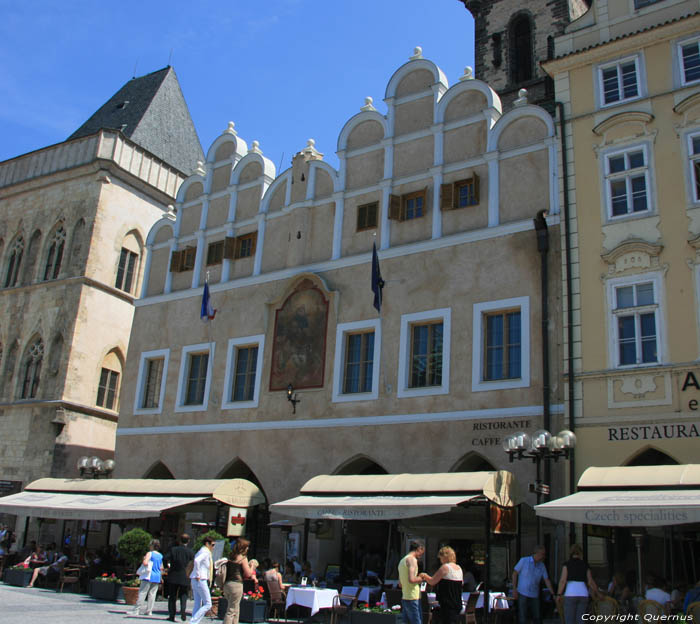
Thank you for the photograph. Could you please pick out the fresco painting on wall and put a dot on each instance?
(299, 347)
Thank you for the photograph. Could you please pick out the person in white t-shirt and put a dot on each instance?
(654, 591)
(202, 572)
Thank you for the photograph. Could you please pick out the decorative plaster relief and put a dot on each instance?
(644, 229)
(689, 109)
(639, 390)
(632, 255)
(624, 126)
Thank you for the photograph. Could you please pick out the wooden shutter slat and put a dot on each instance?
(395, 212)
(475, 179)
(175, 261)
(447, 193)
(230, 247)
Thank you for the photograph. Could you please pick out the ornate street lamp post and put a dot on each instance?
(542, 445)
(95, 467)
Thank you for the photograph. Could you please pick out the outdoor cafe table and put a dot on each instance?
(311, 597)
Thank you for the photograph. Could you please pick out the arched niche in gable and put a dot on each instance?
(465, 104)
(250, 171)
(224, 151)
(416, 81)
(324, 184)
(274, 198)
(193, 191)
(521, 132)
(161, 232)
(365, 133)
(227, 146)
(424, 75)
(220, 177)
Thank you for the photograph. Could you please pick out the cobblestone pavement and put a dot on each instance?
(22, 605)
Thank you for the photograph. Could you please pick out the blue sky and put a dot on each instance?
(282, 70)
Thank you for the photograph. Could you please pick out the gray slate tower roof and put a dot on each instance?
(152, 112)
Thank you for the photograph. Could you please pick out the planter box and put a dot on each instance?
(104, 590)
(369, 617)
(131, 595)
(223, 607)
(253, 611)
(18, 578)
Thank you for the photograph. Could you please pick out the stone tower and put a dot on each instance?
(511, 38)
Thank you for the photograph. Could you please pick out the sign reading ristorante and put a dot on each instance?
(493, 429)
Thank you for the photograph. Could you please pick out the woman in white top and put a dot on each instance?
(449, 579)
(201, 573)
(574, 584)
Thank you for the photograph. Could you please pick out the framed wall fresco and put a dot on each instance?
(299, 344)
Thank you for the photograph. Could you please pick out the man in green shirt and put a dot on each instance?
(410, 583)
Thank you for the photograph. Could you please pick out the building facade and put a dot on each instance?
(430, 383)
(628, 77)
(73, 222)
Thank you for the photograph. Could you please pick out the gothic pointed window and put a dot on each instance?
(54, 255)
(520, 39)
(14, 262)
(32, 370)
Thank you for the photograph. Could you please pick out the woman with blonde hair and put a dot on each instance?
(574, 584)
(237, 569)
(448, 578)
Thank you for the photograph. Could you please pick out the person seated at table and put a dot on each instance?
(306, 571)
(275, 585)
(691, 596)
(254, 564)
(449, 579)
(621, 591)
(51, 572)
(289, 572)
(656, 592)
(36, 558)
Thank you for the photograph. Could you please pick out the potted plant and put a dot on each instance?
(377, 614)
(18, 575)
(105, 587)
(133, 546)
(216, 598)
(253, 606)
(131, 590)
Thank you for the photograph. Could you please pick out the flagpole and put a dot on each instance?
(206, 281)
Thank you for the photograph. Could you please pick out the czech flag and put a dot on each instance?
(208, 312)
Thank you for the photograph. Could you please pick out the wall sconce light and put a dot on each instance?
(292, 398)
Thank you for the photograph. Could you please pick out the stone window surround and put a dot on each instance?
(640, 71)
(478, 336)
(196, 349)
(403, 388)
(141, 381)
(233, 344)
(649, 178)
(342, 329)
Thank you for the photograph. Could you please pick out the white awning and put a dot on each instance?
(90, 506)
(642, 508)
(368, 507)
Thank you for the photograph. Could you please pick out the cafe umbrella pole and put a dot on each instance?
(487, 564)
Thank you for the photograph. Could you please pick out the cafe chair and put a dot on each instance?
(470, 608)
(606, 605)
(694, 610)
(651, 608)
(276, 600)
(68, 576)
(426, 608)
(342, 605)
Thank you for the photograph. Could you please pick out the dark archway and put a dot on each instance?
(258, 520)
(360, 465)
(473, 462)
(159, 471)
(652, 457)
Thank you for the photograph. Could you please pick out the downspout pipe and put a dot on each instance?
(542, 232)
(569, 304)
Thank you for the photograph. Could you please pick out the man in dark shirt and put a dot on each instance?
(176, 560)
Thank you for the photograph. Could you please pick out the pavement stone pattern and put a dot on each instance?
(24, 605)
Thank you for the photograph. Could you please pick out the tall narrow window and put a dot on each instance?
(520, 38)
(196, 378)
(55, 255)
(14, 263)
(426, 355)
(694, 153)
(125, 270)
(107, 389)
(244, 374)
(502, 345)
(635, 312)
(154, 378)
(619, 81)
(627, 180)
(690, 61)
(32, 370)
(359, 360)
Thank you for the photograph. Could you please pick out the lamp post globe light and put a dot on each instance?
(542, 445)
(95, 467)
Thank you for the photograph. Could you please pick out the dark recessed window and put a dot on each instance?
(367, 216)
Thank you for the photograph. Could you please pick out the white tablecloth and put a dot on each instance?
(497, 600)
(364, 593)
(313, 598)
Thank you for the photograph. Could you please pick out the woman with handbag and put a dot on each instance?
(237, 569)
(149, 573)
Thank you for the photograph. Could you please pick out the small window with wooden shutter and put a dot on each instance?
(367, 216)
(175, 259)
(245, 245)
(215, 253)
(230, 247)
(460, 194)
(395, 212)
(188, 256)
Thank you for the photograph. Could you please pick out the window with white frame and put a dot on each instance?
(356, 364)
(635, 320)
(424, 353)
(195, 377)
(627, 182)
(689, 60)
(694, 161)
(153, 371)
(243, 372)
(619, 81)
(107, 388)
(501, 344)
